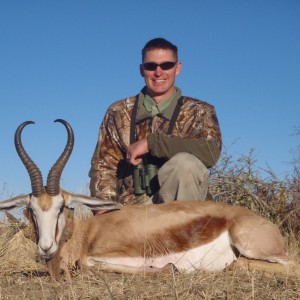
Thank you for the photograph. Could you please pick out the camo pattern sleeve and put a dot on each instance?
(109, 160)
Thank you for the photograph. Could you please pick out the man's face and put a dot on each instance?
(160, 83)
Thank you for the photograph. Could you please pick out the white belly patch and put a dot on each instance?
(214, 256)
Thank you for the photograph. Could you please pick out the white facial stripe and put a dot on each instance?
(49, 223)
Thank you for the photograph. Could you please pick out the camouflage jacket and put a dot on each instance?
(196, 131)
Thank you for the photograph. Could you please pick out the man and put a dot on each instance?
(157, 146)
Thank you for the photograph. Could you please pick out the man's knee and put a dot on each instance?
(183, 177)
(186, 162)
(183, 167)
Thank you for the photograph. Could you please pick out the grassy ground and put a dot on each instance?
(99, 285)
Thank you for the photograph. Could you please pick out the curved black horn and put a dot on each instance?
(32, 169)
(54, 174)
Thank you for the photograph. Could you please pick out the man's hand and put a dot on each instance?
(136, 150)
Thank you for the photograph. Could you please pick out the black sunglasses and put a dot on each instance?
(151, 66)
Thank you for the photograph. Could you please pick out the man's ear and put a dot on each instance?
(142, 70)
(178, 68)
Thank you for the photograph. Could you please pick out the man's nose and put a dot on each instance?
(158, 71)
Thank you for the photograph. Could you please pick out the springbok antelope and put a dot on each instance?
(189, 235)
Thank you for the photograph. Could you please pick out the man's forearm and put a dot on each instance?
(166, 147)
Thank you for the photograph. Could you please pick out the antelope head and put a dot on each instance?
(46, 203)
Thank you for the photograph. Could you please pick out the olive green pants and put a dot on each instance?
(183, 177)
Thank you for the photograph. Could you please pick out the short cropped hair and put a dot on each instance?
(159, 43)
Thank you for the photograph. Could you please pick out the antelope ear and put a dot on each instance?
(91, 202)
(18, 201)
(27, 215)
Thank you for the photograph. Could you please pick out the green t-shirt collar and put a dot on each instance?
(147, 107)
(154, 108)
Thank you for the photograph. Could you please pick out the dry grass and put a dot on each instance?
(99, 285)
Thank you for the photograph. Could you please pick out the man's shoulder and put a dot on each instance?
(120, 105)
(196, 103)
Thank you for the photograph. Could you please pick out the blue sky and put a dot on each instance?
(72, 59)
